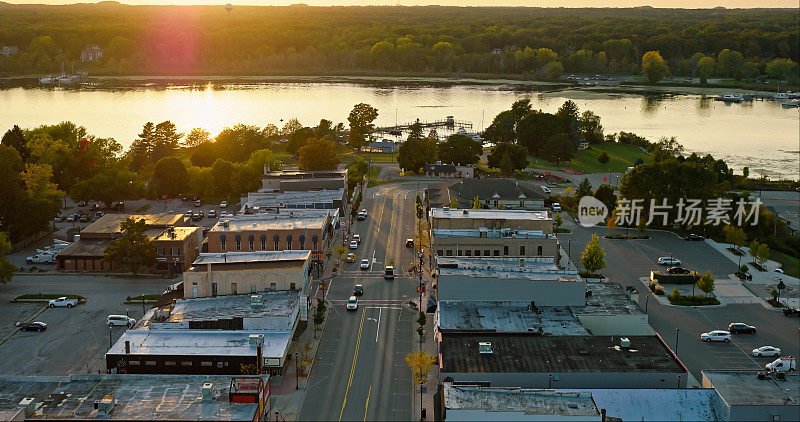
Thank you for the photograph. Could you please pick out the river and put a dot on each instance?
(758, 134)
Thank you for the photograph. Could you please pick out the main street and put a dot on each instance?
(360, 372)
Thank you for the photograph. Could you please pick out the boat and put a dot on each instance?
(47, 80)
(781, 96)
(731, 98)
(66, 79)
(794, 103)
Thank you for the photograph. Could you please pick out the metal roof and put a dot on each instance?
(489, 214)
(514, 399)
(193, 342)
(257, 256)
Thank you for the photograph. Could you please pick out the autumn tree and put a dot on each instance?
(736, 237)
(654, 67)
(133, 249)
(706, 283)
(420, 364)
(318, 154)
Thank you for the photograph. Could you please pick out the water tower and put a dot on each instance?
(228, 8)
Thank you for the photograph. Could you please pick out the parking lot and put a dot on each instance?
(76, 339)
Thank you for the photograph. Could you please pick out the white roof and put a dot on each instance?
(257, 256)
(489, 213)
(200, 342)
(261, 222)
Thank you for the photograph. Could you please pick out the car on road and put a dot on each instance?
(197, 203)
(189, 213)
(545, 189)
(678, 270)
(184, 198)
(365, 264)
(223, 204)
(767, 351)
(351, 257)
(778, 270)
(716, 335)
(62, 301)
(120, 320)
(741, 328)
(32, 326)
(668, 260)
(409, 243)
(362, 215)
(358, 290)
(352, 303)
(388, 272)
(353, 244)
(556, 207)
(694, 237)
(357, 238)
(212, 214)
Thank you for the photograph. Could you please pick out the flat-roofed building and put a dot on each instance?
(495, 242)
(451, 218)
(497, 193)
(748, 397)
(531, 361)
(297, 189)
(177, 244)
(219, 274)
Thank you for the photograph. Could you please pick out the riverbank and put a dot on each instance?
(627, 83)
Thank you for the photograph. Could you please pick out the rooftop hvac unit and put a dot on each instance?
(207, 389)
(485, 347)
(106, 405)
(29, 404)
(466, 212)
(256, 339)
(255, 300)
(625, 343)
(226, 223)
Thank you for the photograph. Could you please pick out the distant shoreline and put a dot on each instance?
(626, 87)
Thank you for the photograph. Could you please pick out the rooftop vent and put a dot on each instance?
(485, 347)
(256, 339)
(466, 212)
(106, 405)
(226, 223)
(29, 404)
(256, 301)
(625, 343)
(207, 390)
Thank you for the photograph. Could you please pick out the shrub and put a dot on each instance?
(659, 290)
(743, 268)
(676, 294)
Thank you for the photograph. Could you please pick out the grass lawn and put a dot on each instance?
(47, 297)
(621, 157)
(790, 264)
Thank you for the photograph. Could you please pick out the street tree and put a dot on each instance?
(654, 67)
(518, 154)
(169, 177)
(133, 249)
(459, 149)
(593, 257)
(762, 253)
(736, 237)
(6, 268)
(319, 315)
(360, 119)
(584, 189)
(420, 363)
(558, 220)
(706, 283)
(318, 154)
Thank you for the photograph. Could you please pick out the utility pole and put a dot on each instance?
(677, 330)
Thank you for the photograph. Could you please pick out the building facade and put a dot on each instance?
(91, 53)
(449, 171)
(498, 194)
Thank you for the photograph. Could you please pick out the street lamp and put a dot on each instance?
(296, 372)
(677, 330)
(109, 336)
(646, 301)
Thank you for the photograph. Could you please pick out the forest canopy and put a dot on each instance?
(543, 43)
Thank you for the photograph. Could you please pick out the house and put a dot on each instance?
(91, 53)
(497, 193)
(177, 244)
(386, 147)
(135, 397)
(449, 171)
(9, 50)
(219, 274)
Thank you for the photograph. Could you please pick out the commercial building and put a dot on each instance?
(495, 242)
(272, 232)
(177, 244)
(219, 274)
(134, 397)
(509, 279)
(451, 218)
(748, 397)
(449, 171)
(220, 335)
(299, 190)
(529, 361)
(497, 193)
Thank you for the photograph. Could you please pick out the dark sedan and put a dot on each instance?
(33, 326)
(678, 270)
(694, 237)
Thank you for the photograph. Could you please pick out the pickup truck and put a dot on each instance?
(63, 301)
(41, 258)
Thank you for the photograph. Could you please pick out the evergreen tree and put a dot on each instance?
(593, 257)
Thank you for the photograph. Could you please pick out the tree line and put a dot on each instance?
(542, 43)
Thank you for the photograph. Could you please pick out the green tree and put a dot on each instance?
(165, 140)
(6, 268)
(236, 143)
(593, 257)
(584, 189)
(654, 67)
(502, 128)
(603, 158)
(318, 154)
(109, 186)
(705, 68)
(782, 69)
(319, 315)
(730, 62)
(416, 151)
(520, 109)
(37, 178)
(263, 159)
(706, 283)
(133, 249)
(169, 177)
(605, 194)
(762, 253)
(535, 129)
(141, 149)
(360, 119)
(298, 139)
(476, 203)
(460, 149)
(14, 138)
(517, 153)
(558, 220)
(453, 203)
(558, 148)
(736, 237)
(507, 165)
(570, 119)
(196, 137)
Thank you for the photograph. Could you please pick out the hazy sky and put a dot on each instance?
(539, 3)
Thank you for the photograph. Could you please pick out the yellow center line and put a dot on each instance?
(353, 366)
(391, 224)
(380, 217)
(366, 406)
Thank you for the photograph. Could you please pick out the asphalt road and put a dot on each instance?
(628, 260)
(360, 372)
(76, 339)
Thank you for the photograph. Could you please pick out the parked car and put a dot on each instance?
(678, 270)
(120, 320)
(99, 214)
(357, 238)
(196, 216)
(353, 244)
(82, 203)
(716, 335)
(184, 198)
(223, 204)
(778, 270)
(41, 258)
(351, 257)
(62, 302)
(388, 272)
(84, 218)
(72, 218)
(365, 264)
(556, 207)
(358, 290)
(409, 243)
(791, 310)
(189, 213)
(741, 328)
(197, 203)
(786, 364)
(212, 214)
(667, 260)
(352, 303)
(60, 219)
(32, 326)
(767, 351)
(545, 189)
(694, 237)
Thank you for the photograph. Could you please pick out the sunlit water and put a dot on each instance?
(758, 134)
